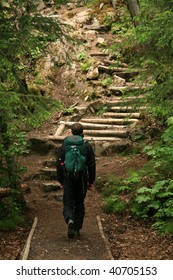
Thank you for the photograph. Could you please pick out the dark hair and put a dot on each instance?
(77, 129)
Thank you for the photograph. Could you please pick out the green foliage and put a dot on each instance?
(113, 204)
(25, 35)
(157, 197)
(149, 47)
(154, 198)
(133, 179)
(123, 24)
(106, 82)
(101, 110)
(110, 186)
(148, 193)
(85, 67)
(12, 140)
(86, 63)
(108, 20)
(81, 56)
(69, 111)
(11, 214)
(162, 153)
(117, 193)
(156, 202)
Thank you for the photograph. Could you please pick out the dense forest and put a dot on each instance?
(146, 31)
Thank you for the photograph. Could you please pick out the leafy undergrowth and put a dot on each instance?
(148, 193)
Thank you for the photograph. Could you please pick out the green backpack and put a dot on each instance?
(75, 155)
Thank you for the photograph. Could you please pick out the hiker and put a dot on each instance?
(76, 170)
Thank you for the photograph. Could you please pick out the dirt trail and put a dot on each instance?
(50, 237)
(126, 238)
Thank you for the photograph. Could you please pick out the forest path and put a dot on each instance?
(127, 239)
(106, 132)
(50, 241)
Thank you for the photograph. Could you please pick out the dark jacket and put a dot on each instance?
(90, 162)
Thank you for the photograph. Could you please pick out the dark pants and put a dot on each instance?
(73, 199)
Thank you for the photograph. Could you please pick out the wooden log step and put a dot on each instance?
(110, 120)
(127, 108)
(122, 102)
(115, 133)
(126, 119)
(127, 115)
(94, 125)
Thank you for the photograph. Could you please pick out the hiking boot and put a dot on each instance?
(70, 232)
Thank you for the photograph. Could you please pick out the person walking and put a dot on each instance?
(75, 180)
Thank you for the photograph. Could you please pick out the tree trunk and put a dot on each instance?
(133, 6)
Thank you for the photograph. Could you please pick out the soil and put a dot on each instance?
(103, 237)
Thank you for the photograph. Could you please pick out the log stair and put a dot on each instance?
(111, 128)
